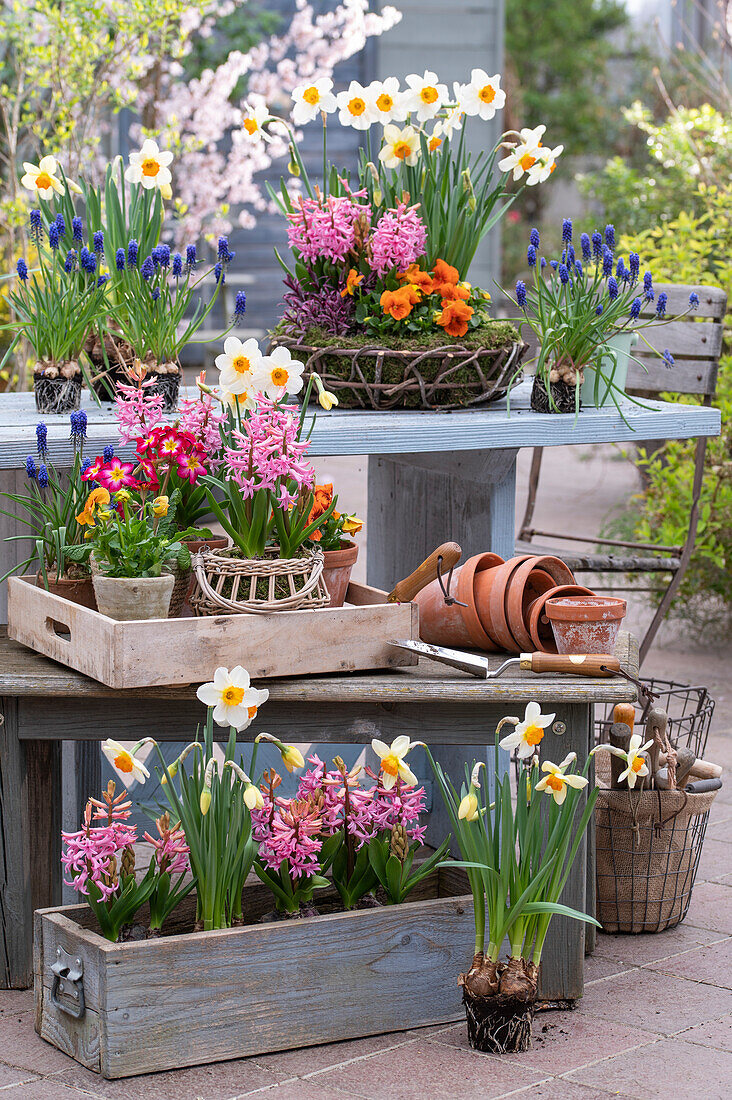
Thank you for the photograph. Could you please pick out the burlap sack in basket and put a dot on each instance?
(648, 845)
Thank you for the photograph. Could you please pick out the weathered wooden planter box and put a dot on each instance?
(202, 997)
(158, 652)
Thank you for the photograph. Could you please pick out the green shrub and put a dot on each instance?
(694, 250)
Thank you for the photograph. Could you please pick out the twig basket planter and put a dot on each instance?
(374, 377)
(57, 391)
(648, 845)
(230, 585)
(181, 1000)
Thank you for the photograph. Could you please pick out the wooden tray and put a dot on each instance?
(158, 652)
(203, 997)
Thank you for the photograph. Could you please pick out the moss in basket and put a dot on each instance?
(261, 592)
(492, 335)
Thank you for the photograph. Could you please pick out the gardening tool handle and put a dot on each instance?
(406, 590)
(589, 664)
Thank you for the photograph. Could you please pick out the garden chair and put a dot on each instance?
(695, 341)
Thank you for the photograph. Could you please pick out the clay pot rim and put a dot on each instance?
(497, 607)
(538, 606)
(346, 552)
(585, 608)
(479, 563)
(515, 618)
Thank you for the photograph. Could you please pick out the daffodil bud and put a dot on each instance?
(292, 758)
(205, 802)
(327, 400)
(253, 797)
(468, 808)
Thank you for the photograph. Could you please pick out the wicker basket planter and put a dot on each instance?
(226, 584)
(648, 846)
(447, 377)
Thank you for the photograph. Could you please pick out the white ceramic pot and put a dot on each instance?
(614, 377)
(128, 598)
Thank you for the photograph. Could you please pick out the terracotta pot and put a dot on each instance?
(77, 590)
(450, 624)
(131, 598)
(585, 624)
(337, 571)
(525, 584)
(542, 637)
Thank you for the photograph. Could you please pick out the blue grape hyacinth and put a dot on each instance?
(635, 308)
(567, 230)
(531, 256)
(521, 293)
(534, 238)
(43, 476)
(586, 247)
(77, 229)
(132, 252)
(661, 305)
(240, 305)
(42, 439)
(30, 467)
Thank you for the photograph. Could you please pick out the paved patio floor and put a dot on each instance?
(655, 1021)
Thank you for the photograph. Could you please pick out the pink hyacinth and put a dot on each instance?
(137, 410)
(398, 240)
(171, 850)
(326, 229)
(201, 417)
(94, 853)
(266, 454)
(293, 838)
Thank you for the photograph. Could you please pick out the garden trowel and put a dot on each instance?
(589, 664)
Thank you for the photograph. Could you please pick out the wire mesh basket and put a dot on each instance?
(648, 845)
(689, 711)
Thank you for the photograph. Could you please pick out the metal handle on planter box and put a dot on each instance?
(68, 982)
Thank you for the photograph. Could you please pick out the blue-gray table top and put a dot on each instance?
(352, 432)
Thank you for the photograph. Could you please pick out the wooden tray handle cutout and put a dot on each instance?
(58, 629)
(406, 590)
(591, 664)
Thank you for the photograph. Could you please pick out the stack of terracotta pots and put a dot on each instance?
(504, 604)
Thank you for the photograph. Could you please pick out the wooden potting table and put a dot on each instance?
(43, 704)
(432, 477)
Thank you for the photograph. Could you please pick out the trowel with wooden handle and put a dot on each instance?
(593, 664)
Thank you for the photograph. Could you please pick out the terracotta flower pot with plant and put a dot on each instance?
(339, 553)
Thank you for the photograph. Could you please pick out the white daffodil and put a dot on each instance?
(387, 101)
(636, 765)
(241, 364)
(532, 137)
(310, 99)
(452, 121)
(392, 761)
(545, 164)
(234, 701)
(150, 167)
(125, 763)
(42, 178)
(355, 107)
(254, 116)
(425, 95)
(556, 782)
(527, 734)
(483, 96)
(520, 160)
(281, 374)
(241, 402)
(400, 146)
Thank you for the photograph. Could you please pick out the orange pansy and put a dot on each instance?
(454, 318)
(353, 280)
(421, 279)
(444, 273)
